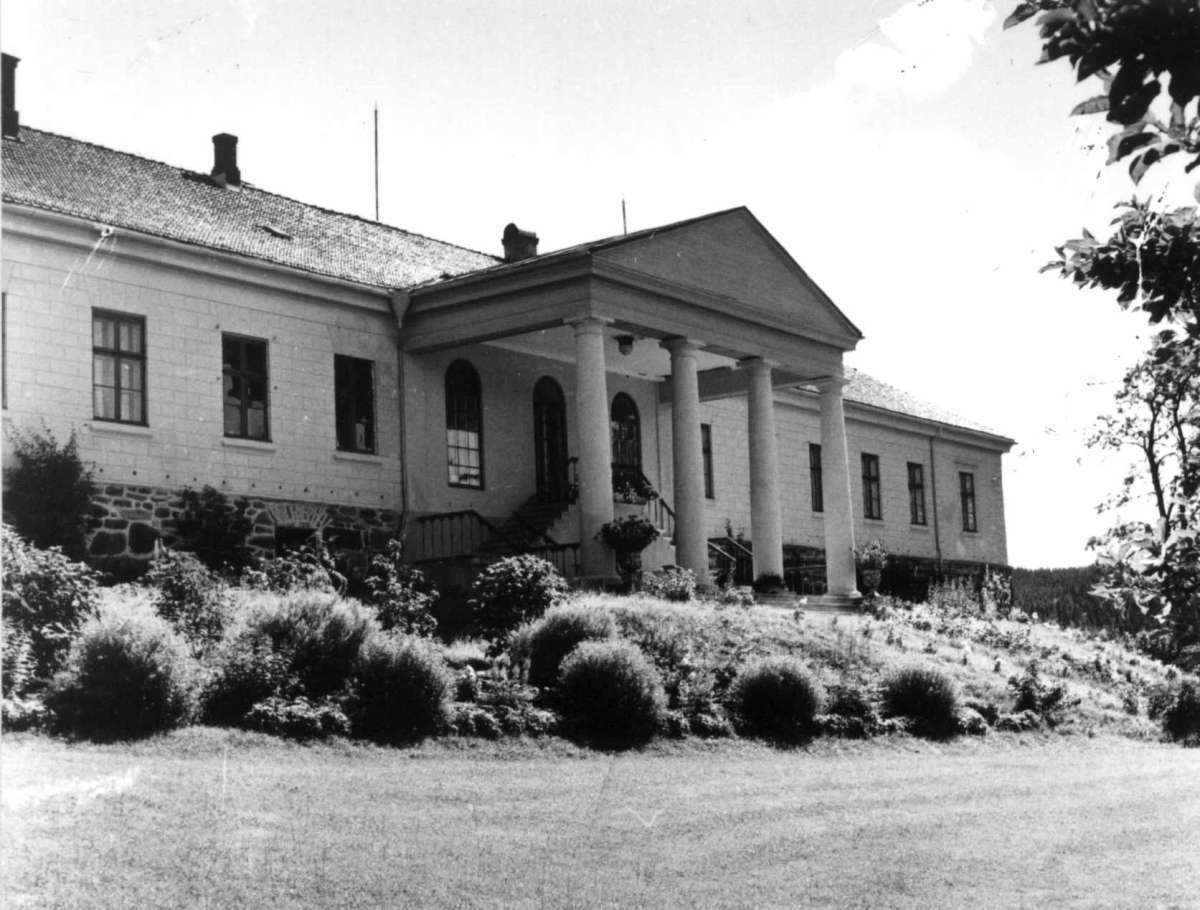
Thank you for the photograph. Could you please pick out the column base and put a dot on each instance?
(851, 601)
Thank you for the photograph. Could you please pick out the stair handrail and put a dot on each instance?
(737, 545)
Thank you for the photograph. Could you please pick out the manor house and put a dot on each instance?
(360, 381)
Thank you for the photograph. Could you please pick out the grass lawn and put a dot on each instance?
(213, 818)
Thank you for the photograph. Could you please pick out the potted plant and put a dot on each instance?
(871, 558)
(633, 489)
(627, 537)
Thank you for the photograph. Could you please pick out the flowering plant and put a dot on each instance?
(633, 490)
(630, 534)
(872, 555)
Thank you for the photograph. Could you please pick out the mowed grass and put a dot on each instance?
(214, 818)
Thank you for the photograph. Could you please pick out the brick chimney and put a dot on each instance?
(519, 244)
(225, 170)
(11, 116)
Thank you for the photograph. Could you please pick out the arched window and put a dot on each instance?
(464, 426)
(626, 440)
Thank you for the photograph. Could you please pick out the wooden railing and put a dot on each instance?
(458, 535)
(733, 559)
(453, 534)
(563, 556)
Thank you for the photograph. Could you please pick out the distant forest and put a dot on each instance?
(1062, 595)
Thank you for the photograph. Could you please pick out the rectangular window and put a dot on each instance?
(354, 403)
(815, 482)
(245, 362)
(872, 501)
(706, 451)
(916, 493)
(966, 487)
(118, 367)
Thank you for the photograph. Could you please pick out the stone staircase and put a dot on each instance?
(528, 526)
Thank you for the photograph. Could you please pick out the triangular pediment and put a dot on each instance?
(731, 254)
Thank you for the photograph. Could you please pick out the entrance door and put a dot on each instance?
(550, 440)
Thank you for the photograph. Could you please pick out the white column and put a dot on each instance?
(691, 542)
(839, 514)
(766, 522)
(595, 447)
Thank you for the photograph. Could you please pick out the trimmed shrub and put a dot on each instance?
(188, 596)
(610, 692)
(1181, 718)
(48, 492)
(557, 634)
(302, 644)
(400, 594)
(671, 583)
(298, 718)
(768, 583)
(46, 595)
(128, 674)
(511, 591)
(401, 689)
(776, 698)
(926, 697)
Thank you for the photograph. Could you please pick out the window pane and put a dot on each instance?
(104, 370)
(129, 335)
(131, 374)
(233, 419)
(256, 357)
(256, 422)
(102, 332)
(231, 353)
(105, 403)
(131, 406)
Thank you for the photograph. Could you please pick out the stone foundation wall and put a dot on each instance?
(128, 521)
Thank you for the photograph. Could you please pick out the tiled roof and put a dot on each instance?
(55, 173)
(869, 391)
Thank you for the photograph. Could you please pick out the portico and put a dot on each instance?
(705, 309)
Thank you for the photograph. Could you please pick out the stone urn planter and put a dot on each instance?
(870, 580)
(627, 537)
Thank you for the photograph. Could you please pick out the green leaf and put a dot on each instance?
(1142, 163)
(1091, 106)
(1020, 14)
(1126, 143)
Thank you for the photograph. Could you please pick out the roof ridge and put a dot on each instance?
(257, 189)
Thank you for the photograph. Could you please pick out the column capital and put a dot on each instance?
(828, 384)
(678, 345)
(754, 364)
(584, 324)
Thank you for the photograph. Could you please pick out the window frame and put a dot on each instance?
(244, 374)
(816, 478)
(119, 355)
(967, 502)
(459, 406)
(706, 455)
(346, 402)
(872, 487)
(916, 494)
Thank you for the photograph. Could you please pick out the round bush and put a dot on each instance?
(511, 591)
(128, 674)
(402, 689)
(671, 583)
(305, 643)
(609, 691)
(925, 696)
(558, 633)
(776, 698)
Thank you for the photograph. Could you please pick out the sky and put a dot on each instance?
(909, 155)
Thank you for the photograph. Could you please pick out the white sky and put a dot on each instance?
(909, 155)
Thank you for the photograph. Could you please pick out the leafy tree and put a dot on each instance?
(49, 492)
(1146, 53)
